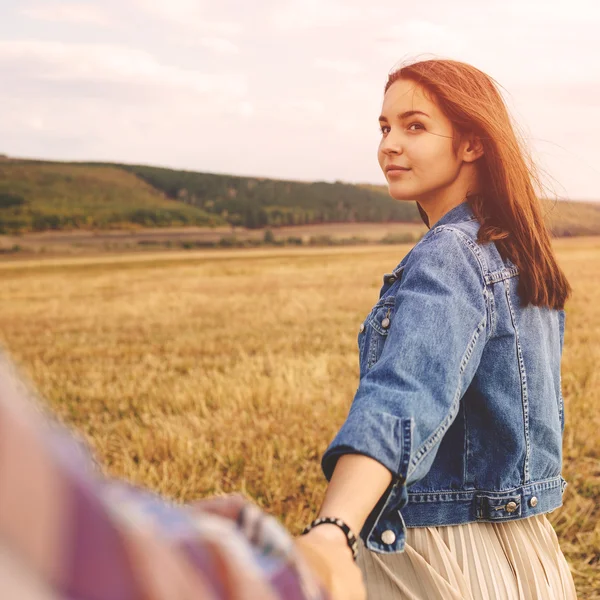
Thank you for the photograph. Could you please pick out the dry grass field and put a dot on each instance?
(199, 373)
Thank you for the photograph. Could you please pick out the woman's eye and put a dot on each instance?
(412, 127)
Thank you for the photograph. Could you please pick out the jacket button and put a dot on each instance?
(385, 323)
(361, 328)
(511, 507)
(533, 501)
(391, 279)
(388, 537)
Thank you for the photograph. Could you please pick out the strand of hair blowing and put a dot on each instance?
(509, 210)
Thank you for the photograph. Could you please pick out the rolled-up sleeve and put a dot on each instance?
(408, 399)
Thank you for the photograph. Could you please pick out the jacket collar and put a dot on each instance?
(461, 212)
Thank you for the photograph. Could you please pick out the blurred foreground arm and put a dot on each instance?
(65, 532)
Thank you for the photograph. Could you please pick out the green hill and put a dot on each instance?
(35, 196)
(573, 218)
(39, 195)
(564, 217)
(257, 202)
(42, 195)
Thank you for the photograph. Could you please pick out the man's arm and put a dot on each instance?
(74, 534)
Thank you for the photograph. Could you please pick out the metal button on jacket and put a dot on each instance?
(511, 507)
(388, 537)
(533, 501)
(385, 323)
(361, 328)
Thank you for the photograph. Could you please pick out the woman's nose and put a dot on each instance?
(391, 145)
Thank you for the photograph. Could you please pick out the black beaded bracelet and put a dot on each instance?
(350, 537)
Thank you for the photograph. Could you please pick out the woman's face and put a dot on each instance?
(416, 135)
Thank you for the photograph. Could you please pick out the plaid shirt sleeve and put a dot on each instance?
(68, 533)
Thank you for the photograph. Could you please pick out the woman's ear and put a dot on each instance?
(473, 148)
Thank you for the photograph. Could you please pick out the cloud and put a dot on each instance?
(174, 10)
(245, 109)
(110, 101)
(188, 15)
(108, 63)
(572, 12)
(67, 12)
(415, 37)
(307, 14)
(345, 67)
(216, 45)
(302, 106)
(219, 45)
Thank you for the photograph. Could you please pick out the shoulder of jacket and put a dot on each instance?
(443, 239)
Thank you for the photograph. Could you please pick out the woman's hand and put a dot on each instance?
(326, 551)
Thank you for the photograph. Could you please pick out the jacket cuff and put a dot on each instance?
(387, 439)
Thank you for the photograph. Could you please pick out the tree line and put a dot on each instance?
(260, 202)
(41, 195)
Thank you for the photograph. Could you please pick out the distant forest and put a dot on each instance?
(46, 195)
(257, 203)
(43, 195)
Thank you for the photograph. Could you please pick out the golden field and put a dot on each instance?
(199, 373)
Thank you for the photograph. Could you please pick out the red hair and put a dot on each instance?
(508, 209)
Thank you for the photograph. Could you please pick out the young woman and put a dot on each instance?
(450, 456)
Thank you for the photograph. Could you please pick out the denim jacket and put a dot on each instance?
(460, 390)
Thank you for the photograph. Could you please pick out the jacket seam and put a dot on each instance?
(430, 442)
(523, 380)
(483, 272)
(502, 274)
(539, 485)
(466, 445)
(479, 520)
(470, 244)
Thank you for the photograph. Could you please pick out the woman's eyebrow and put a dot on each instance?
(404, 115)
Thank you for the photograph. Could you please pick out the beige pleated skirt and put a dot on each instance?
(514, 560)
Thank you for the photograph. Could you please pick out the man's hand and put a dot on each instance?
(326, 551)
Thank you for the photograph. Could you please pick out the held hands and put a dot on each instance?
(357, 483)
(326, 551)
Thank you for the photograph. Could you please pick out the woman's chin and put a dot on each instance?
(398, 192)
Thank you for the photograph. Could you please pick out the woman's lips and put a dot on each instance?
(396, 171)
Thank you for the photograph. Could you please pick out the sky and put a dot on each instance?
(287, 89)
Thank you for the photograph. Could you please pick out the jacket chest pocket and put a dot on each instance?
(373, 333)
